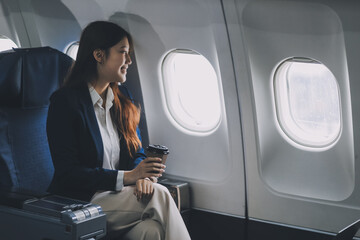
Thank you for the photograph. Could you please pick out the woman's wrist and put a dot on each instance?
(129, 178)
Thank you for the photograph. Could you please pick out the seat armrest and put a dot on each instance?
(49, 216)
(15, 197)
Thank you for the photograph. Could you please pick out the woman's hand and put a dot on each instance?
(144, 189)
(148, 168)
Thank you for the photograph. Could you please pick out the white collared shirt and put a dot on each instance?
(109, 134)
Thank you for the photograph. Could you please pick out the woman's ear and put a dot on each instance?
(99, 55)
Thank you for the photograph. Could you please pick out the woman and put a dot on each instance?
(96, 145)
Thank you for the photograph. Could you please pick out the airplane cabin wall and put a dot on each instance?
(12, 25)
(261, 36)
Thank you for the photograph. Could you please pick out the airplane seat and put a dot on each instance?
(28, 77)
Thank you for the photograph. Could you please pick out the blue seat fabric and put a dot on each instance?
(28, 77)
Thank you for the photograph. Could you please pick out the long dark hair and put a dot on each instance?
(104, 35)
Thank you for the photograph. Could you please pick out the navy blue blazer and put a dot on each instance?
(76, 146)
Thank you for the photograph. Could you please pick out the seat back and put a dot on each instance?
(28, 77)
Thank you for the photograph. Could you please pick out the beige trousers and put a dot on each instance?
(132, 219)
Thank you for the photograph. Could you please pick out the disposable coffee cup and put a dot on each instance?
(159, 151)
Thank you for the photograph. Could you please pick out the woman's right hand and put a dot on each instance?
(149, 167)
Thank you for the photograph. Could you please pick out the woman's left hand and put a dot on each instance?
(144, 189)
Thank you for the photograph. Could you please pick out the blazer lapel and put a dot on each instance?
(124, 155)
(90, 118)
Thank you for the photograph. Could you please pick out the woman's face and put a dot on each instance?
(115, 65)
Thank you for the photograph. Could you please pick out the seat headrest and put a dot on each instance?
(28, 76)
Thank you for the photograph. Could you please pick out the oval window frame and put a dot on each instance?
(11, 44)
(280, 105)
(72, 50)
(168, 90)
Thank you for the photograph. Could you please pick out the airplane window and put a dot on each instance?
(6, 43)
(191, 90)
(307, 102)
(72, 50)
